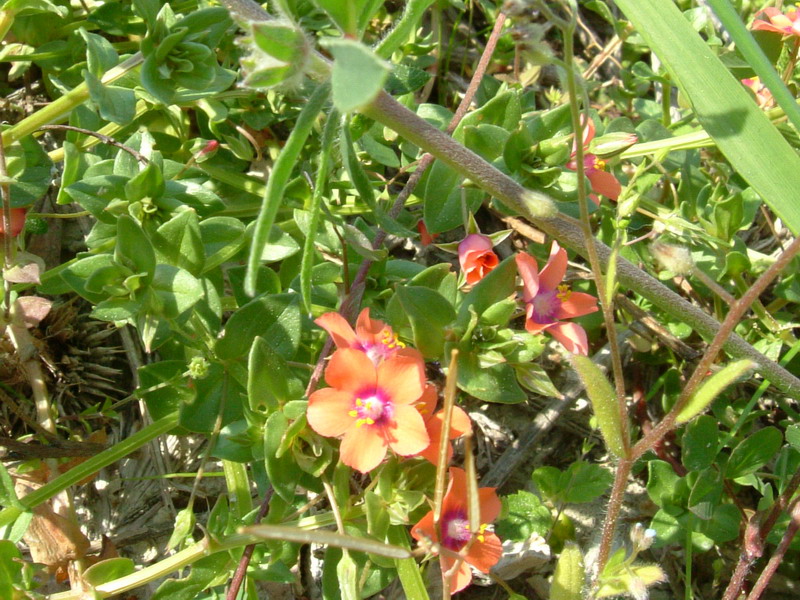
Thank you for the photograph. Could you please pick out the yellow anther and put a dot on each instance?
(353, 413)
(563, 292)
(359, 402)
(600, 164)
(481, 531)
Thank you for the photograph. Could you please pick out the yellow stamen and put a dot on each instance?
(599, 164)
(353, 413)
(389, 339)
(366, 421)
(563, 292)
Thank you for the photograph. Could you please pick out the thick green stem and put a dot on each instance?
(404, 28)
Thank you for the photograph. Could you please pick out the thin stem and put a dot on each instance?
(247, 554)
(606, 300)
(612, 512)
(103, 138)
(780, 552)
(8, 240)
(733, 317)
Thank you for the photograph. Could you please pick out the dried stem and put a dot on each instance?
(766, 575)
(103, 138)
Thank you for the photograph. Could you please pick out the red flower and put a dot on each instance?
(476, 257)
(371, 336)
(601, 181)
(425, 237)
(787, 23)
(460, 424)
(17, 218)
(548, 301)
(371, 407)
(485, 548)
(763, 95)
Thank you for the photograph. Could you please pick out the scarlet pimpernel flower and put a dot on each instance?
(460, 424)
(476, 257)
(787, 23)
(481, 549)
(763, 95)
(548, 301)
(602, 182)
(371, 407)
(375, 338)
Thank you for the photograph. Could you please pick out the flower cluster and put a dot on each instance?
(377, 396)
(787, 23)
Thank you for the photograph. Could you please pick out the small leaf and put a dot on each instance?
(347, 572)
(430, 315)
(184, 525)
(108, 570)
(523, 515)
(713, 387)
(604, 402)
(569, 575)
(133, 249)
(267, 376)
(357, 76)
(753, 453)
(700, 443)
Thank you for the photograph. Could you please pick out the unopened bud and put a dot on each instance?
(611, 144)
(676, 259)
(538, 205)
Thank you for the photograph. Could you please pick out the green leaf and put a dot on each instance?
(664, 486)
(184, 525)
(133, 248)
(535, 379)
(493, 384)
(523, 515)
(750, 142)
(179, 243)
(162, 385)
(699, 444)
(275, 318)
(569, 575)
(114, 103)
(754, 452)
(793, 435)
(347, 573)
(604, 402)
(280, 245)
(222, 238)
(177, 290)
(585, 482)
(407, 569)
(202, 574)
(430, 316)
(350, 16)
(282, 470)
(267, 376)
(712, 388)
(498, 285)
(10, 568)
(108, 570)
(357, 76)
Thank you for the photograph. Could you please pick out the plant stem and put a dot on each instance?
(780, 552)
(733, 317)
(606, 299)
(612, 512)
(247, 554)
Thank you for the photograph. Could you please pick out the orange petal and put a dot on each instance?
(409, 436)
(605, 183)
(531, 325)
(403, 378)
(426, 405)
(350, 370)
(572, 336)
(328, 410)
(456, 496)
(484, 555)
(338, 328)
(460, 424)
(424, 528)
(461, 578)
(369, 330)
(363, 448)
(529, 271)
(553, 272)
(577, 305)
(490, 504)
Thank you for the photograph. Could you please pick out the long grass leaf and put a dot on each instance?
(722, 105)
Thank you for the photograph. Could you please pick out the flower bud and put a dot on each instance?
(676, 259)
(611, 144)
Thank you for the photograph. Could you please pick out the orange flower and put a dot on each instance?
(425, 237)
(485, 548)
(784, 23)
(371, 407)
(594, 167)
(17, 218)
(460, 424)
(476, 257)
(371, 336)
(763, 95)
(548, 301)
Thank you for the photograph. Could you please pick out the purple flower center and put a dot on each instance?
(386, 348)
(455, 530)
(545, 305)
(372, 407)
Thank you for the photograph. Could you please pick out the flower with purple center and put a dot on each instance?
(481, 549)
(548, 301)
(371, 407)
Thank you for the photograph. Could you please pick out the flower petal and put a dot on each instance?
(403, 378)
(460, 424)
(529, 271)
(409, 436)
(605, 183)
(490, 504)
(461, 578)
(484, 555)
(426, 405)
(424, 528)
(572, 336)
(577, 305)
(338, 328)
(328, 410)
(530, 323)
(553, 272)
(369, 331)
(363, 448)
(350, 370)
